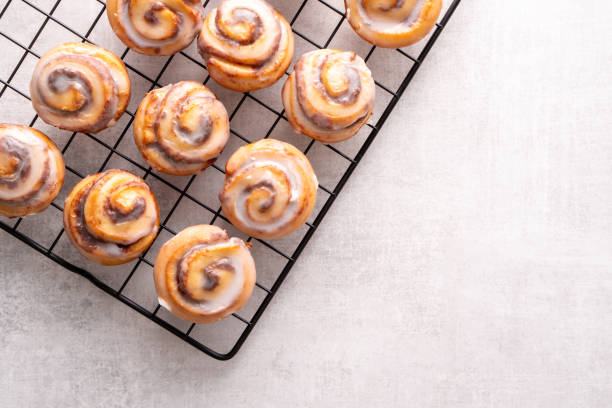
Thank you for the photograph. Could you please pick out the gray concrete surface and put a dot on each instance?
(466, 264)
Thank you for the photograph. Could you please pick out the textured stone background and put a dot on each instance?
(466, 264)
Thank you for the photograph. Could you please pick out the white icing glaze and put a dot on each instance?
(242, 63)
(38, 151)
(269, 24)
(163, 304)
(126, 231)
(96, 102)
(287, 167)
(124, 19)
(234, 289)
(63, 83)
(109, 248)
(316, 109)
(181, 128)
(389, 25)
(90, 225)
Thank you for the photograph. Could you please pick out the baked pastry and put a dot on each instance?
(246, 44)
(31, 170)
(392, 23)
(155, 27)
(270, 189)
(182, 128)
(329, 95)
(80, 87)
(202, 275)
(111, 217)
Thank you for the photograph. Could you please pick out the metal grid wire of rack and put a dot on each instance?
(30, 27)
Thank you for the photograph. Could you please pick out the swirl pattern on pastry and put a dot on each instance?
(111, 217)
(329, 95)
(31, 170)
(202, 275)
(270, 189)
(181, 129)
(246, 44)
(392, 23)
(155, 27)
(80, 87)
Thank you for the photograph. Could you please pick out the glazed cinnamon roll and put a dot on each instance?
(182, 128)
(80, 87)
(202, 275)
(329, 95)
(111, 217)
(247, 45)
(270, 189)
(31, 170)
(155, 27)
(392, 23)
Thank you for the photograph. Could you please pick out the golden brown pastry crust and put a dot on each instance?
(80, 87)
(155, 27)
(392, 23)
(329, 95)
(181, 129)
(202, 275)
(31, 170)
(111, 217)
(246, 44)
(270, 189)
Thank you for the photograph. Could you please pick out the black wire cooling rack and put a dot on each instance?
(30, 27)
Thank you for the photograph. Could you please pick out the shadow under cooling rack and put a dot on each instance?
(28, 28)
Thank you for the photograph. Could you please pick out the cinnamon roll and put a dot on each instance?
(31, 170)
(392, 23)
(202, 275)
(182, 128)
(329, 95)
(247, 45)
(155, 27)
(270, 189)
(80, 87)
(111, 217)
